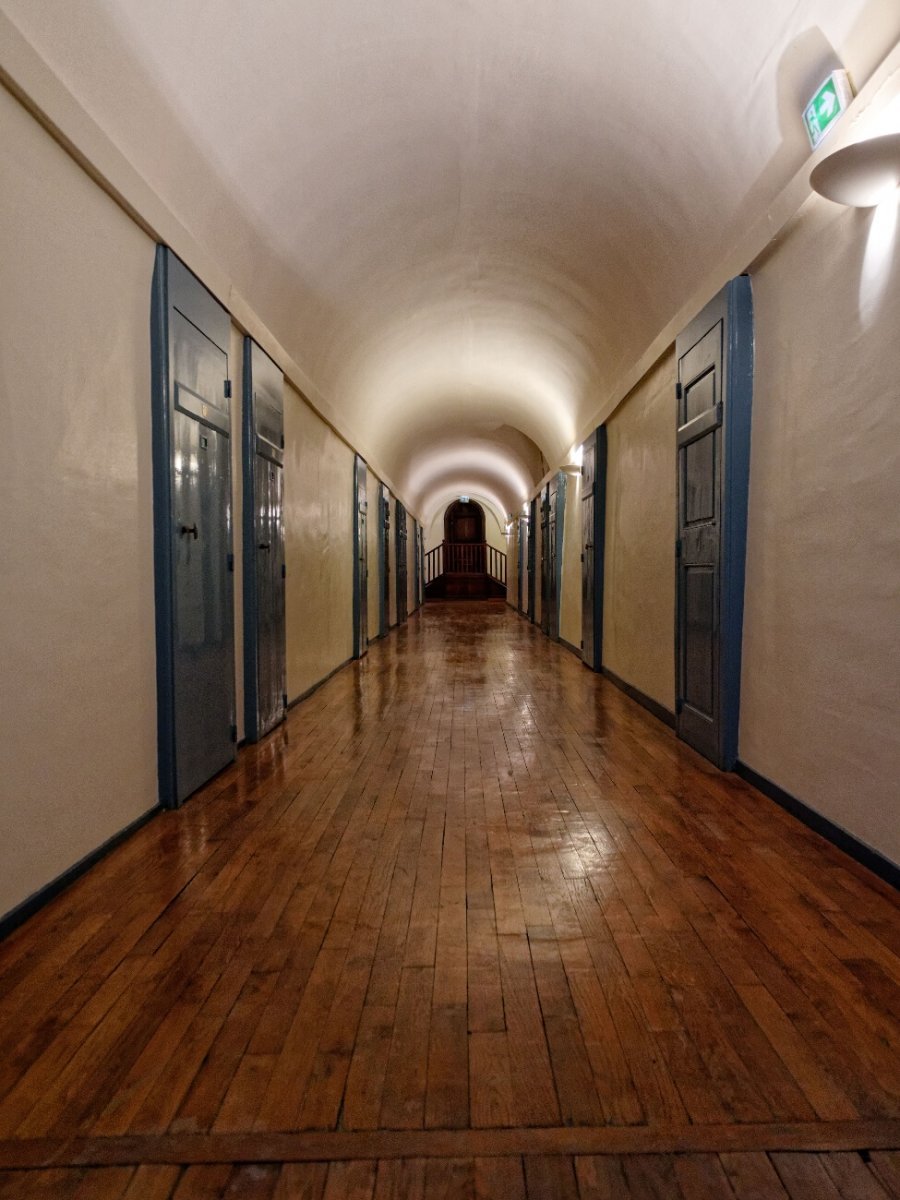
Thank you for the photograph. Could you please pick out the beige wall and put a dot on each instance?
(570, 596)
(373, 498)
(639, 563)
(318, 536)
(77, 641)
(821, 685)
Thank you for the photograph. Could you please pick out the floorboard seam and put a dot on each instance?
(816, 1137)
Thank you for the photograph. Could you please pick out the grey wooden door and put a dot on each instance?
(713, 396)
(593, 519)
(532, 557)
(361, 561)
(522, 561)
(192, 531)
(402, 599)
(551, 554)
(384, 562)
(265, 687)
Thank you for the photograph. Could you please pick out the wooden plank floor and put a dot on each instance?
(472, 923)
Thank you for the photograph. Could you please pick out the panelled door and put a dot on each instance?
(593, 518)
(384, 562)
(265, 687)
(192, 531)
(402, 599)
(545, 559)
(532, 557)
(521, 560)
(713, 396)
(421, 565)
(554, 504)
(416, 563)
(361, 561)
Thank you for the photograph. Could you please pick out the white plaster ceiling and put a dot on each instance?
(462, 217)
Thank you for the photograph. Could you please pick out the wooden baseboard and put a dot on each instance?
(652, 706)
(865, 855)
(576, 650)
(315, 687)
(20, 914)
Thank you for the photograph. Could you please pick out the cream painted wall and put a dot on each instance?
(570, 597)
(373, 494)
(639, 594)
(236, 371)
(77, 640)
(318, 535)
(820, 683)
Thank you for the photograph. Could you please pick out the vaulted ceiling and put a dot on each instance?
(465, 219)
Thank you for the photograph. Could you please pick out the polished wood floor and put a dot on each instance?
(471, 924)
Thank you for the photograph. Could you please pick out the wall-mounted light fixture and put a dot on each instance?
(861, 175)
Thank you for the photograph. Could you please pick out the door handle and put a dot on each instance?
(191, 529)
(265, 545)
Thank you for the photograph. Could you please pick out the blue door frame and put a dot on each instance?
(714, 395)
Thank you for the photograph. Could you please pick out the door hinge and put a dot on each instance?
(283, 571)
(679, 390)
(231, 562)
(679, 705)
(233, 731)
(284, 700)
(678, 548)
(582, 558)
(227, 389)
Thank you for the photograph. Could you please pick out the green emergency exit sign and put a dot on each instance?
(827, 105)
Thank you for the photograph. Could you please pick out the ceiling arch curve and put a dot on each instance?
(458, 218)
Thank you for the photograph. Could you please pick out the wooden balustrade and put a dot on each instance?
(469, 558)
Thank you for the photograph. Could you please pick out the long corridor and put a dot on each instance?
(471, 923)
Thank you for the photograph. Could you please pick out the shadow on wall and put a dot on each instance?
(804, 64)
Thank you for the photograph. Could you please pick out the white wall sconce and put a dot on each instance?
(861, 175)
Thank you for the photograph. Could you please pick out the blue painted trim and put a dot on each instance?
(174, 288)
(38, 900)
(248, 536)
(883, 867)
(734, 307)
(163, 565)
(738, 350)
(652, 706)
